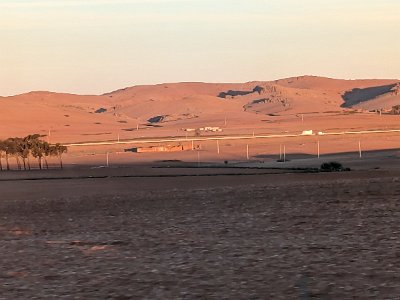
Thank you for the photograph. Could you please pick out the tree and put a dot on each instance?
(58, 150)
(38, 150)
(7, 152)
(11, 150)
(395, 110)
(25, 151)
(31, 145)
(2, 150)
(22, 150)
(47, 153)
(32, 141)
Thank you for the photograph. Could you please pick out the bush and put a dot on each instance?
(395, 110)
(333, 167)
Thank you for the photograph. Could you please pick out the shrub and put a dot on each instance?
(395, 110)
(333, 167)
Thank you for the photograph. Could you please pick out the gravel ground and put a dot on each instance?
(330, 239)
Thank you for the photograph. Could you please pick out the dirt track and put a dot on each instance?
(299, 236)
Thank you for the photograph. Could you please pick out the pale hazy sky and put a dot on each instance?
(96, 46)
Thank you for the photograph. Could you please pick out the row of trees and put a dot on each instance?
(22, 149)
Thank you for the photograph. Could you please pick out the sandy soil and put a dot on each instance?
(299, 150)
(279, 236)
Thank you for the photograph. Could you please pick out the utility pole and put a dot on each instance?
(284, 153)
(218, 146)
(359, 148)
(108, 159)
(318, 148)
(247, 152)
(280, 152)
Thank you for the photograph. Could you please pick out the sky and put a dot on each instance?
(97, 46)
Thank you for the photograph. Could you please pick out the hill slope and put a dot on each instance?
(189, 105)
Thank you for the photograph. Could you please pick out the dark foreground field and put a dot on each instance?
(281, 236)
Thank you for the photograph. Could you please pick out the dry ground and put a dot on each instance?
(273, 236)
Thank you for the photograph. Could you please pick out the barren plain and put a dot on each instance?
(138, 235)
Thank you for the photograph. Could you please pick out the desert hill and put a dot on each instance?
(377, 97)
(178, 105)
(292, 95)
(331, 84)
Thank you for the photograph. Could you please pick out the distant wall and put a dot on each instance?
(167, 148)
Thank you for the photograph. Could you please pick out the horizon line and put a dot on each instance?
(187, 82)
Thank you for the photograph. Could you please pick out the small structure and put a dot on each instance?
(210, 129)
(307, 132)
